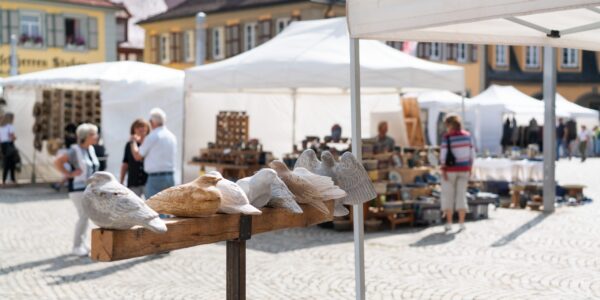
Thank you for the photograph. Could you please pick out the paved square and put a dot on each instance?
(515, 254)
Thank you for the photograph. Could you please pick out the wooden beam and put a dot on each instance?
(112, 245)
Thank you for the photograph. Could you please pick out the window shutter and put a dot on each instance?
(92, 25)
(49, 30)
(208, 42)
(455, 51)
(59, 31)
(13, 26)
(4, 27)
(473, 52)
(154, 58)
(84, 32)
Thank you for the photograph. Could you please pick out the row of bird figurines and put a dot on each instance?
(312, 181)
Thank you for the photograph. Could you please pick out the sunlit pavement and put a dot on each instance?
(515, 254)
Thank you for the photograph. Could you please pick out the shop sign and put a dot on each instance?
(37, 63)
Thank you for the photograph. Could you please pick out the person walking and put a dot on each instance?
(583, 137)
(571, 137)
(158, 151)
(561, 138)
(456, 156)
(134, 169)
(84, 162)
(10, 153)
(596, 133)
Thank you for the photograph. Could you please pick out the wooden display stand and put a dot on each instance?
(113, 245)
(412, 118)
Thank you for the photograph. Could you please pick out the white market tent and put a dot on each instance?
(128, 90)
(558, 23)
(437, 103)
(582, 115)
(297, 85)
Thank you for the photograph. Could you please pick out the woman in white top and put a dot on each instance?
(84, 163)
(7, 144)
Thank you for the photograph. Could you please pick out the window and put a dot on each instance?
(31, 34)
(164, 48)
(436, 51)
(264, 30)
(281, 24)
(233, 37)
(121, 30)
(570, 58)
(462, 53)
(75, 32)
(532, 57)
(218, 43)
(396, 45)
(501, 56)
(188, 46)
(122, 56)
(249, 36)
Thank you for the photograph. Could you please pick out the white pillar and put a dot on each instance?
(294, 112)
(200, 38)
(14, 62)
(549, 128)
(359, 250)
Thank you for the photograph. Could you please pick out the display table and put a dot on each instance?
(503, 169)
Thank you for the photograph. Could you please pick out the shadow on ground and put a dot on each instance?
(315, 236)
(31, 193)
(505, 240)
(111, 269)
(54, 264)
(436, 238)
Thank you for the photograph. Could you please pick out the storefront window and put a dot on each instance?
(31, 29)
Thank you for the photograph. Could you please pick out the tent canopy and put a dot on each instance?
(315, 54)
(514, 102)
(95, 74)
(558, 23)
(576, 110)
(128, 90)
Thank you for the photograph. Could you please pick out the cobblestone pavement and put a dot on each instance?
(515, 254)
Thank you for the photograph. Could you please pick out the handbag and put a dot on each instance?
(450, 158)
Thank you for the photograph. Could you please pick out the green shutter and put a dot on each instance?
(59, 30)
(92, 33)
(49, 30)
(13, 23)
(3, 27)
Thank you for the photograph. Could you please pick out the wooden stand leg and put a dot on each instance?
(236, 270)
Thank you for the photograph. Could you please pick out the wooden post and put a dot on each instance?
(236, 270)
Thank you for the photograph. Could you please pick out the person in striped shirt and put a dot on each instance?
(456, 156)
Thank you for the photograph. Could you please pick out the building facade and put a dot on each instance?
(57, 33)
(232, 27)
(578, 77)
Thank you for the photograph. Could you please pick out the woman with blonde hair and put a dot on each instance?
(7, 145)
(134, 169)
(456, 156)
(84, 162)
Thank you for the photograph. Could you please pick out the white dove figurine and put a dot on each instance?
(111, 205)
(266, 189)
(233, 198)
(309, 188)
(352, 177)
(308, 160)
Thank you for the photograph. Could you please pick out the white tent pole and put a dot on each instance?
(294, 98)
(359, 255)
(14, 62)
(200, 38)
(462, 105)
(549, 130)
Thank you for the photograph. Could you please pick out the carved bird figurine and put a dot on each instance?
(308, 160)
(266, 189)
(111, 205)
(309, 188)
(194, 199)
(258, 187)
(348, 174)
(233, 198)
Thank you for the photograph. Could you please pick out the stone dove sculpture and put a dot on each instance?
(266, 189)
(233, 198)
(352, 177)
(308, 160)
(309, 188)
(194, 199)
(111, 205)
